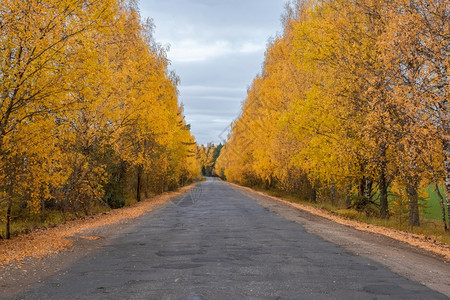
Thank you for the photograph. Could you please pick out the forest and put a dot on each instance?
(351, 109)
(207, 156)
(89, 112)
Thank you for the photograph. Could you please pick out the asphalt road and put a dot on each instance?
(217, 243)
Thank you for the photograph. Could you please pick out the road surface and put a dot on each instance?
(216, 242)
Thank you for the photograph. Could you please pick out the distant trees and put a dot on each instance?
(207, 156)
(88, 109)
(351, 104)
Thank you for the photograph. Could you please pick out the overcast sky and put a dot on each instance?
(216, 48)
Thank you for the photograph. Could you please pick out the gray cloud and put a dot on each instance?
(216, 48)
(232, 71)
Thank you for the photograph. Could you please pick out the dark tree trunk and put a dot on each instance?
(383, 184)
(42, 210)
(147, 180)
(349, 198)
(441, 201)
(413, 201)
(8, 218)
(361, 188)
(384, 204)
(314, 195)
(447, 175)
(368, 192)
(138, 185)
(333, 192)
(365, 194)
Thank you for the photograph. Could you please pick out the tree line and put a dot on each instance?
(89, 114)
(352, 106)
(207, 156)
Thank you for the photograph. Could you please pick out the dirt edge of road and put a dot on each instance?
(42, 243)
(417, 240)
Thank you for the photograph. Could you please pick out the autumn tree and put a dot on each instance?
(416, 49)
(352, 95)
(36, 40)
(208, 156)
(88, 108)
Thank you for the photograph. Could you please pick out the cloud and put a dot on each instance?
(229, 71)
(193, 51)
(216, 48)
(209, 129)
(190, 50)
(189, 90)
(252, 48)
(210, 109)
(218, 107)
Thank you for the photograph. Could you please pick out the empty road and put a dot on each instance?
(216, 242)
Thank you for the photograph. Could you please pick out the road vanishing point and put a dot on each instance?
(219, 241)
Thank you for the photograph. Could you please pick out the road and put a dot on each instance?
(216, 242)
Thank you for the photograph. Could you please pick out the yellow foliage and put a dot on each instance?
(86, 103)
(355, 96)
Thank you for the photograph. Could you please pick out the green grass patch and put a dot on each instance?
(431, 221)
(432, 209)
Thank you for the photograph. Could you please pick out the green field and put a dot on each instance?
(432, 209)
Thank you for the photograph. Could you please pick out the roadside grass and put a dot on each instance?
(27, 222)
(47, 241)
(431, 215)
(432, 208)
(24, 220)
(433, 229)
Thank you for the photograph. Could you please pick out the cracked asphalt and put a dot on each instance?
(215, 242)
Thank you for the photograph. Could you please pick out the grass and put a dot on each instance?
(431, 221)
(32, 222)
(433, 207)
(429, 227)
(24, 221)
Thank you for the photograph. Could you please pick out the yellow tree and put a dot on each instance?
(87, 101)
(415, 48)
(152, 137)
(348, 101)
(35, 43)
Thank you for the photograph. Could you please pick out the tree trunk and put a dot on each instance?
(138, 185)
(361, 188)
(447, 175)
(368, 190)
(365, 192)
(384, 204)
(349, 198)
(413, 201)
(441, 201)
(8, 218)
(368, 184)
(447, 202)
(314, 195)
(147, 180)
(383, 184)
(333, 192)
(42, 210)
(163, 183)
